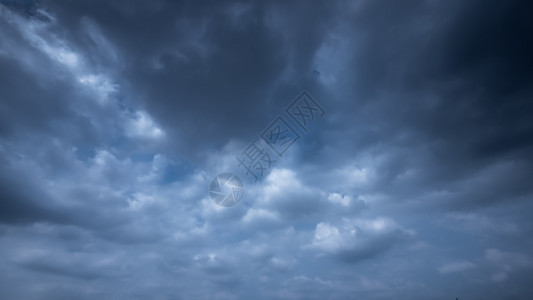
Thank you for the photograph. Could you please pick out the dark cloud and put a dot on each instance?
(430, 94)
(213, 66)
(19, 205)
(115, 116)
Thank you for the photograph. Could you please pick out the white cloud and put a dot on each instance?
(328, 238)
(278, 182)
(343, 200)
(143, 126)
(101, 87)
(357, 237)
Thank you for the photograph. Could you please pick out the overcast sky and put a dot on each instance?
(415, 183)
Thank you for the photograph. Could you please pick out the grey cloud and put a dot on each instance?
(115, 116)
(208, 69)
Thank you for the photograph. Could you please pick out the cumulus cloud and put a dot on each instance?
(115, 117)
(358, 239)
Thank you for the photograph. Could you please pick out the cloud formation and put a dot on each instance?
(115, 117)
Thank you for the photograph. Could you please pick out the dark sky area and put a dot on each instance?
(415, 182)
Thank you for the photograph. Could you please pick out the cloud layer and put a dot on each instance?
(115, 117)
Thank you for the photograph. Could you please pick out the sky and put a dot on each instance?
(412, 182)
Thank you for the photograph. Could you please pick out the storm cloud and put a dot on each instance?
(116, 115)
